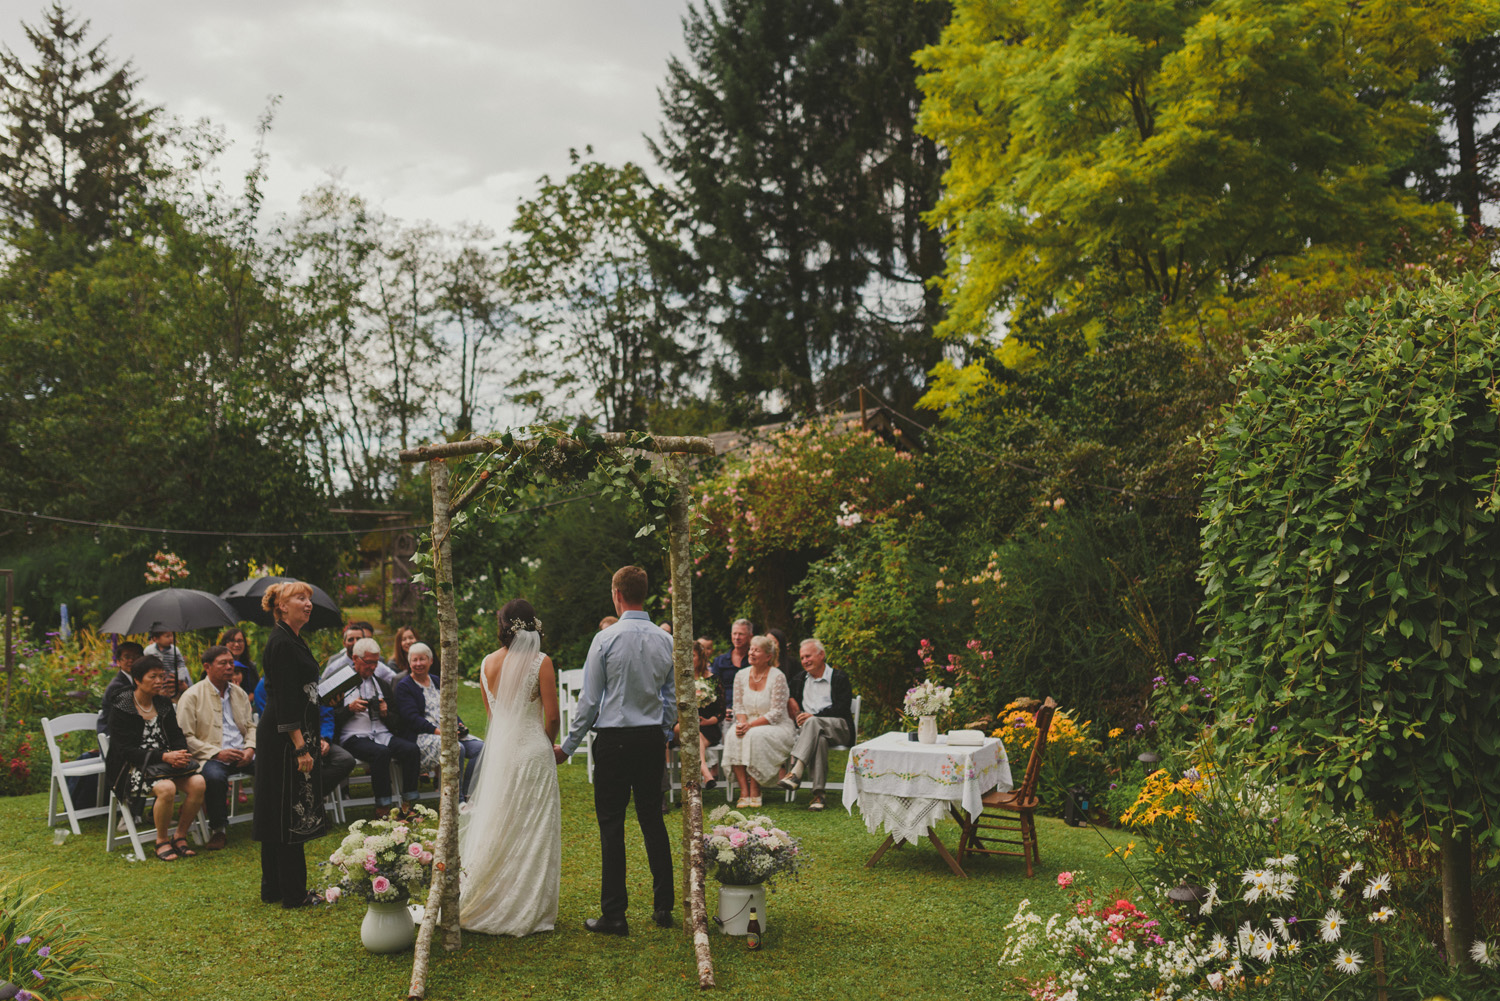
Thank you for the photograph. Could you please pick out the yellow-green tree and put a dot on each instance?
(1181, 146)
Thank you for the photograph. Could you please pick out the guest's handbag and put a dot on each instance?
(162, 770)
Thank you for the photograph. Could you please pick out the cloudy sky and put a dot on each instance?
(445, 110)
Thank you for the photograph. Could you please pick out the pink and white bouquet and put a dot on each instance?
(166, 568)
(706, 690)
(748, 850)
(384, 860)
(927, 699)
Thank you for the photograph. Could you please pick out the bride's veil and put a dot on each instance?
(509, 704)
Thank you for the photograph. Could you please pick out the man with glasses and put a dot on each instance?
(370, 727)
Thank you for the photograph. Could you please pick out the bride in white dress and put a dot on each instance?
(510, 841)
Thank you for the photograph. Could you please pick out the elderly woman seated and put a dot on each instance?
(417, 701)
(149, 757)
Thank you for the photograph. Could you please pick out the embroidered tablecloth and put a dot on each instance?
(907, 787)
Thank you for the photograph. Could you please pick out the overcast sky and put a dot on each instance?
(446, 110)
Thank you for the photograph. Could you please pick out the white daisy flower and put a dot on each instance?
(1348, 873)
(1234, 969)
(1264, 947)
(1278, 925)
(1293, 947)
(1380, 884)
(1211, 901)
(1338, 893)
(1332, 926)
(1245, 936)
(1288, 861)
(1483, 953)
(1254, 876)
(1348, 961)
(1381, 916)
(1218, 947)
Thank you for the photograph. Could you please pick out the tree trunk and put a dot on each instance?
(1458, 896)
(694, 865)
(442, 898)
(1466, 183)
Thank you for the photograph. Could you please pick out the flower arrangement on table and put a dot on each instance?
(386, 860)
(748, 850)
(927, 699)
(706, 690)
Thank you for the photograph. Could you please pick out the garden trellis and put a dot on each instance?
(624, 464)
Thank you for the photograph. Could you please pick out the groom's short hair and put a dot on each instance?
(632, 584)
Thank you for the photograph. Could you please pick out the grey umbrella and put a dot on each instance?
(245, 596)
(175, 609)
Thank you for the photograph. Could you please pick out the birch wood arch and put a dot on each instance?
(653, 468)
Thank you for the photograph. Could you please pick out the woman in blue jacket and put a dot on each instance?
(417, 702)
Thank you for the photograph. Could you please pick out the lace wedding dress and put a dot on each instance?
(510, 841)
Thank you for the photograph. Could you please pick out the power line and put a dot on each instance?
(203, 532)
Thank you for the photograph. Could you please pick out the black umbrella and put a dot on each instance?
(175, 609)
(245, 597)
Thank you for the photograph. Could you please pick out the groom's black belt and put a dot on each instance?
(649, 728)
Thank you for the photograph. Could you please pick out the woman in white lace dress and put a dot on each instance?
(511, 838)
(762, 736)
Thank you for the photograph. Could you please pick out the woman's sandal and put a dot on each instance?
(181, 844)
(170, 855)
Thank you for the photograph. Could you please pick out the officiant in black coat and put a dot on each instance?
(288, 775)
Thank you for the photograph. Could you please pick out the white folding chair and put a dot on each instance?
(236, 783)
(569, 687)
(62, 770)
(123, 813)
(791, 794)
(365, 776)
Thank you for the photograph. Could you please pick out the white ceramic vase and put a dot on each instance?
(927, 730)
(387, 927)
(735, 903)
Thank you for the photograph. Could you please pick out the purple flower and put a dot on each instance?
(44, 951)
(1275, 728)
(38, 974)
(1158, 681)
(1020, 724)
(24, 940)
(1113, 785)
(1292, 920)
(1140, 728)
(1183, 657)
(1151, 722)
(1192, 679)
(1249, 719)
(25, 996)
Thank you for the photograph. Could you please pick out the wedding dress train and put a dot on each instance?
(510, 841)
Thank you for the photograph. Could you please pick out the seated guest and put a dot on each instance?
(710, 715)
(417, 700)
(163, 646)
(337, 763)
(822, 701)
(733, 660)
(215, 719)
(149, 757)
(126, 654)
(763, 733)
(608, 621)
(353, 633)
(234, 641)
(371, 728)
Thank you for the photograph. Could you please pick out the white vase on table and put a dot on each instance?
(927, 730)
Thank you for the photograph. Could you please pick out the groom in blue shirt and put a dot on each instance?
(630, 703)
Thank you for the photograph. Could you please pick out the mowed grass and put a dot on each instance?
(907, 928)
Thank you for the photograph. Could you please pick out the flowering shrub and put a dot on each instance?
(165, 569)
(971, 704)
(749, 850)
(1071, 758)
(1165, 798)
(384, 860)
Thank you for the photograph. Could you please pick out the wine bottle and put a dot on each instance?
(752, 931)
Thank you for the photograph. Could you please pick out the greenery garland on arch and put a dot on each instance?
(621, 466)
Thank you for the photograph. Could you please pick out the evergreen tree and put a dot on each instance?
(77, 145)
(789, 133)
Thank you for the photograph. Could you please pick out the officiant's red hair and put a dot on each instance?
(278, 594)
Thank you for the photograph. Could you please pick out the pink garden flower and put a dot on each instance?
(1065, 879)
(381, 884)
(332, 894)
(414, 850)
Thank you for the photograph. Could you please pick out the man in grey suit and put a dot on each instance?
(629, 701)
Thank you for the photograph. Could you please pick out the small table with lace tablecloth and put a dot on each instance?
(906, 787)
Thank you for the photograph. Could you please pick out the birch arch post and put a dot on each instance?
(619, 462)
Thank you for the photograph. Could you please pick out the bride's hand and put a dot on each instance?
(557, 753)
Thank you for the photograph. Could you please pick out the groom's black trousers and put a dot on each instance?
(627, 761)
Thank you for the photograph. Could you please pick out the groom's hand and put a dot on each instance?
(557, 753)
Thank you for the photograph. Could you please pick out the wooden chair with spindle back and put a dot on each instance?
(1008, 814)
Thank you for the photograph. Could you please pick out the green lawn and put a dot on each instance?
(907, 928)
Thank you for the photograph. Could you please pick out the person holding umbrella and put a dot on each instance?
(288, 773)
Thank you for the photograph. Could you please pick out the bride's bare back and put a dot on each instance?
(489, 673)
